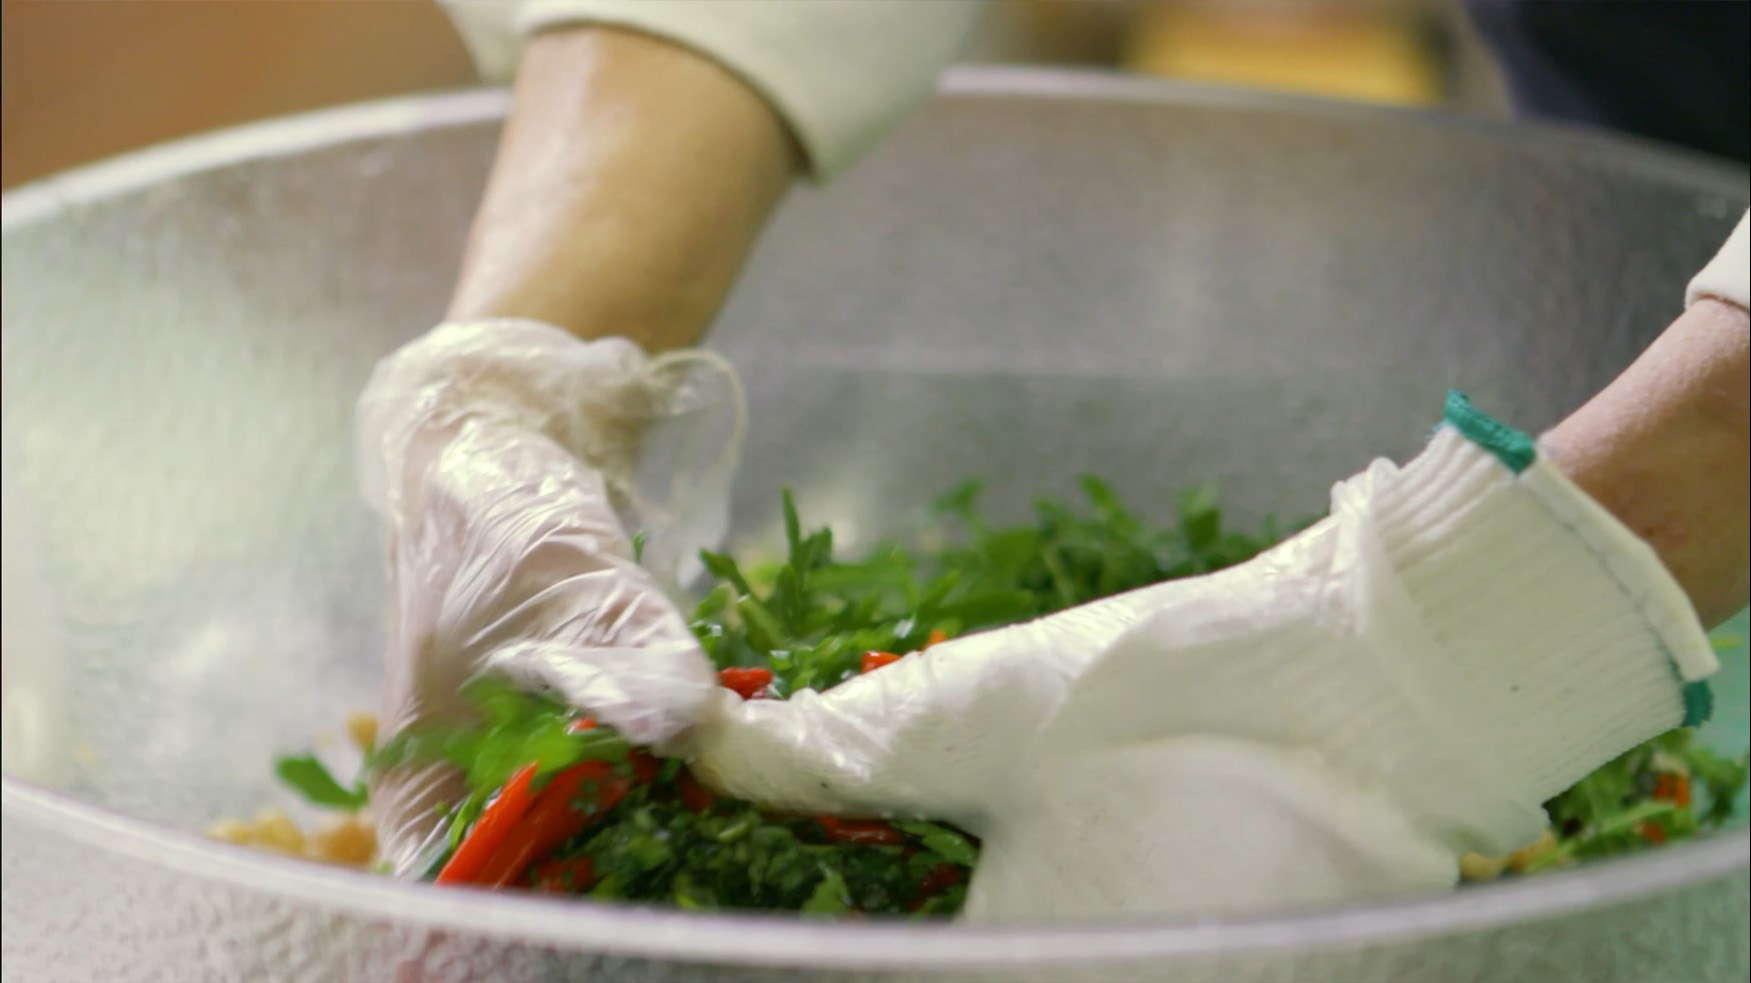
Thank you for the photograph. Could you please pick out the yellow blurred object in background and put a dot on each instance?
(1343, 51)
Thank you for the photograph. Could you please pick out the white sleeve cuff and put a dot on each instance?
(1725, 276)
(840, 72)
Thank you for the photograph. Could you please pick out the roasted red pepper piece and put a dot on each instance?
(571, 802)
(937, 637)
(572, 876)
(694, 795)
(580, 725)
(490, 830)
(1652, 832)
(941, 878)
(872, 831)
(875, 660)
(747, 682)
(1673, 788)
(645, 768)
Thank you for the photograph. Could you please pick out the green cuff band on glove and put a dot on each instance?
(1699, 703)
(1517, 450)
(1513, 448)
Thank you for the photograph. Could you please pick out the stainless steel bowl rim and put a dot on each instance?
(759, 940)
(327, 127)
(756, 940)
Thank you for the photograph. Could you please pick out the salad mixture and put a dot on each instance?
(559, 804)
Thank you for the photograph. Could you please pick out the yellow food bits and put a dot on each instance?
(231, 831)
(1522, 858)
(351, 842)
(1477, 867)
(276, 831)
(362, 730)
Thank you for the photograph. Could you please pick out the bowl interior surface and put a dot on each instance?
(1035, 278)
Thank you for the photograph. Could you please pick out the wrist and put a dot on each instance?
(631, 182)
(1664, 449)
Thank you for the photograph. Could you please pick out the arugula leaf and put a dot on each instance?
(724, 568)
(311, 778)
(951, 846)
(793, 535)
(830, 897)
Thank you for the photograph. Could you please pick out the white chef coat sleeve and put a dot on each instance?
(1725, 276)
(840, 72)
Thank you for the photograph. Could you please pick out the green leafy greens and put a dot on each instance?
(312, 779)
(809, 618)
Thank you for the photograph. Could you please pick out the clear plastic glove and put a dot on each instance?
(1344, 716)
(510, 459)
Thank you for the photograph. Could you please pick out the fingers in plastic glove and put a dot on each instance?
(589, 398)
(407, 803)
(502, 456)
(1196, 826)
(598, 400)
(680, 495)
(513, 555)
(929, 735)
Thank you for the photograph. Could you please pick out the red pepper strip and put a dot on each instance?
(860, 831)
(747, 682)
(936, 637)
(490, 830)
(645, 768)
(580, 725)
(694, 795)
(941, 878)
(1673, 788)
(1652, 832)
(875, 660)
(573, 876)
(555, 817)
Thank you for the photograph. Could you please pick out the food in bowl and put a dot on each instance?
(560, 805)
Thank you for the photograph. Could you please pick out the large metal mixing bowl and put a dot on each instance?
(1040, 275)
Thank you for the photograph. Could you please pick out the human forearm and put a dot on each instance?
(1665, 449)
(631, 182)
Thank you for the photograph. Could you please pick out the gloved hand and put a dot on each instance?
(1343, 716)
(509, 460)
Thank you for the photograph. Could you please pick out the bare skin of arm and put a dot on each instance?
(631, 182)
(1667, 449)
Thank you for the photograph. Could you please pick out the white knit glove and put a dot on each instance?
(1344, 716)
(503, 456)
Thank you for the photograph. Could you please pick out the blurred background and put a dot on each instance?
(85, 79)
